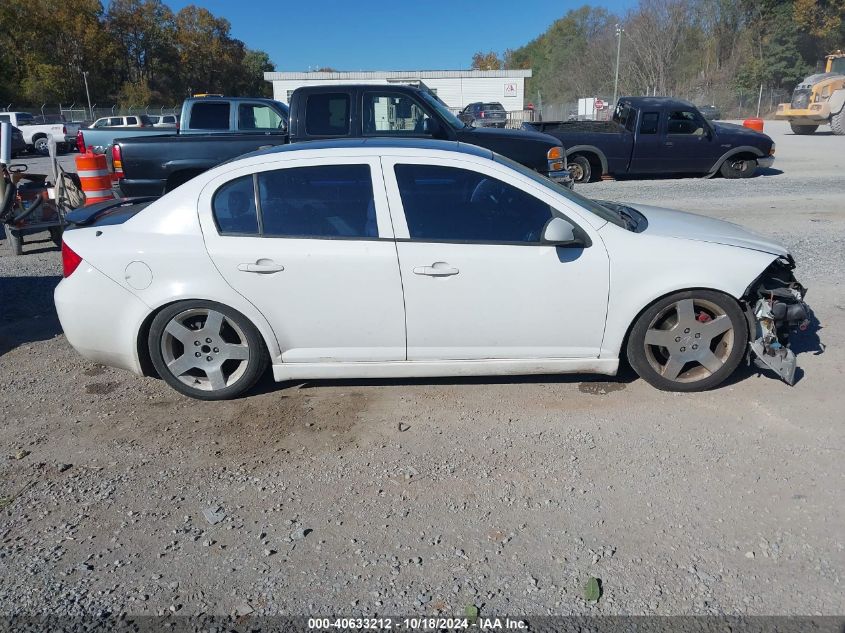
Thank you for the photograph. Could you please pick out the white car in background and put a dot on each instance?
(165, 120)
(405, 258)
(37, 135)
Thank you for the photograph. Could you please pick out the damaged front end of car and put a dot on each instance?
(775, 309)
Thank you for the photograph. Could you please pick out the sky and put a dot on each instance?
(387, 35)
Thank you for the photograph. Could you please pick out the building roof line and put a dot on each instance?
(398, 74)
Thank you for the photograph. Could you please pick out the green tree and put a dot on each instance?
(255, 64)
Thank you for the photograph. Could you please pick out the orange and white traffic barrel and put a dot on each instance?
(94, 176)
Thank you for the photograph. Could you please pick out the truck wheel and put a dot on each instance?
(580, 169)
(837, 122)
(15, 241)
(738, 168)
(803, 129)
(42, 145)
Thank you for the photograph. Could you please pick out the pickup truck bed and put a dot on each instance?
(168, 161)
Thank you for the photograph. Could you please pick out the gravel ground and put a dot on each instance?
(118, 495)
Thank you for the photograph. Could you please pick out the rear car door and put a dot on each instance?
(310, 244)
(478, 283)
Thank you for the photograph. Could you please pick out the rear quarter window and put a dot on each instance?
(327, 114)
(209, 116)
(233, 207)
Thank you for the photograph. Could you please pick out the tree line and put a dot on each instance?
(704, 50)
(133, 52)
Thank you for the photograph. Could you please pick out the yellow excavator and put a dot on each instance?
(818, 100)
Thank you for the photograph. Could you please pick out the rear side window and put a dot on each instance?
(234, 208)
(209, 116)
(648, 125)
(327, 114)
(458, 205)
(325, 201)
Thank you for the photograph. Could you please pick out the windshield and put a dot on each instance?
(445, 112)
(585, 203)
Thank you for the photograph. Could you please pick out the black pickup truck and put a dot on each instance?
(154, 165)
(658, 135)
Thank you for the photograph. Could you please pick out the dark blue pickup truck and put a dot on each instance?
(658, 136)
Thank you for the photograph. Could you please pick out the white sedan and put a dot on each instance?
(392, 258)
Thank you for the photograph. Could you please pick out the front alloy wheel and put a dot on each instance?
(689, 341)
(206, 350)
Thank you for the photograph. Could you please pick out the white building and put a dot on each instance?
(456, 88)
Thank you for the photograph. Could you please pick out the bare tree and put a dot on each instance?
(654, 34)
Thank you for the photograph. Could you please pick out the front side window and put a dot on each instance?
(25, 119)
(209, 116)
(386, 114)
(649, 123)
(458, 205)
(257, 116)
(234, 208)
(325, 201)
(327, 114)
(131, 120)
(684, 122)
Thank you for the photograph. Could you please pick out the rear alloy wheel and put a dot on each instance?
(580, 169)
(42, 146)
(739, 167)
(688, 341)
(803, 129)
(206, 350)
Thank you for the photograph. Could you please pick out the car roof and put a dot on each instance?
(656, 102)
(376, 143)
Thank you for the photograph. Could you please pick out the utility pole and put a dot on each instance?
(619, 31)
(87, 94)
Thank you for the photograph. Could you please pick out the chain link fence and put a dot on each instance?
(76, 113)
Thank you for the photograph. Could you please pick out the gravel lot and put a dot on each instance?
(419, 497)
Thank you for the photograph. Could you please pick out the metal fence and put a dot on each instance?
(75, 112)
(515, 118)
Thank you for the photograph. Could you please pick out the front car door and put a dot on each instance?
(310, 244)
(478, 283)
(689, 143)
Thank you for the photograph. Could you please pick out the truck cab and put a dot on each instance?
(377, 110)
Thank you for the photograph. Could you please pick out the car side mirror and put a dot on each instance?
(432, 126)
(560, 232)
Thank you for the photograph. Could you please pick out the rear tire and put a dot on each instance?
(689, 341)
(738, 168)
(206, 350)
(803, 129)
(580, 169)
(42, 146)
(837, 122)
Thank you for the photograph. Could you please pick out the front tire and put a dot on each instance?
(580, 169)
(689, 341)
(803, 129)
(738, 168)
(206, 350)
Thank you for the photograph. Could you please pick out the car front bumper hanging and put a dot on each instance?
(776, 309)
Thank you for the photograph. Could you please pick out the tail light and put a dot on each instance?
(80, 141)
(70, 260)
(64, 130)
(117, 162)
(483, 114)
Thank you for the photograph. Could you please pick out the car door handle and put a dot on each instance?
(262, 266)
(437, 269)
